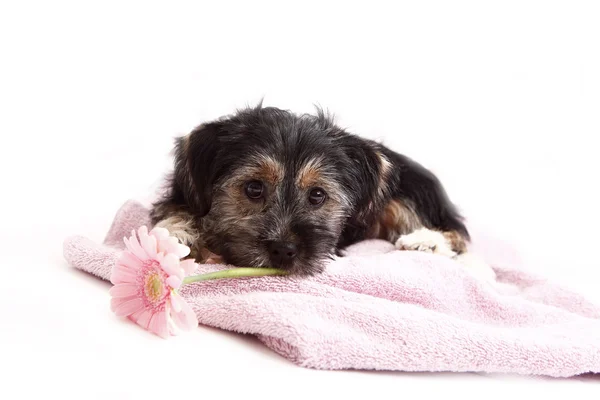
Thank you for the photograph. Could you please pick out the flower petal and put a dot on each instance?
(142, 318)
(172, 245)
(183, 250)
(158, 324)
(174, 281)
(176, 302)
(136, 315)
(115, 302)
(170, 264)
(160, 233)
(136, 248)
(185, 319)
(168, 244)
(189, 266)
(120, 274)
(173, 330)
(128, 272)
(153, 243)
(124, 290)
(128, 307)
(129, 260)
(148, 242)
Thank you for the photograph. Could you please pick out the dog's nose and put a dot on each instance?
(282, 252)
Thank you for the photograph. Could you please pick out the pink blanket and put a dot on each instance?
(382, 309)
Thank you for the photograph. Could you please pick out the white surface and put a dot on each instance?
(501, 100)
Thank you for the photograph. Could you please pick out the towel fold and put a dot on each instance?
(382, 309)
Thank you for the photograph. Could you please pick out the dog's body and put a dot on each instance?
(266, 187)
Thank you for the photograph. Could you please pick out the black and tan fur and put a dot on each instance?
(370, 191)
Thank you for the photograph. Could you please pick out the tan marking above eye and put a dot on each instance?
(269, 170)
(262, 168)
(309, 175)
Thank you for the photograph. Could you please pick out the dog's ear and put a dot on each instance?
(196, 165)
(363, 173)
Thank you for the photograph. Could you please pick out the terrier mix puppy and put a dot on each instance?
(266, 187)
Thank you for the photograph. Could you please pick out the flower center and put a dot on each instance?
(153, 287)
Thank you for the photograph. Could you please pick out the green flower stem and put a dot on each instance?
(234, 273)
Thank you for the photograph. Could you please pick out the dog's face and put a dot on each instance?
(271, 188)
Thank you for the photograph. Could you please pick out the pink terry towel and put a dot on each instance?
(382, 309)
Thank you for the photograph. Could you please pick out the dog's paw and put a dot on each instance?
(427, 241)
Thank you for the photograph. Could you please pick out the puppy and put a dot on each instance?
(266, 187)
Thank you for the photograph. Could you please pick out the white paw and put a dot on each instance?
(434, 242)
(425, 240)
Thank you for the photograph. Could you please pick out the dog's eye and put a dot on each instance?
(254, 189)
(317, 196)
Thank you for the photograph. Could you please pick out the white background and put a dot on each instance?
(501, 99)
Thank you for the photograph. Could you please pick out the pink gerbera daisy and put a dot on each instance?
(146, 278)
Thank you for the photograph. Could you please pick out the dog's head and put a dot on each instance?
(273, 188)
